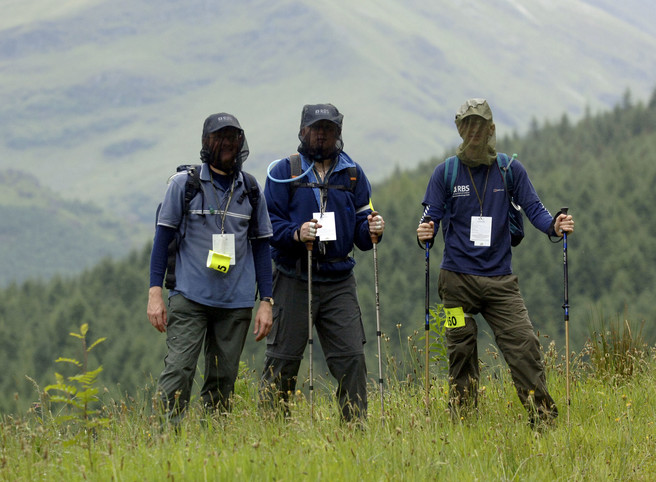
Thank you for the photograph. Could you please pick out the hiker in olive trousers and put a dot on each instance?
(476, 276)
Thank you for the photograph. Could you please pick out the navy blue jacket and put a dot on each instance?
(289, 208)
(460, 254)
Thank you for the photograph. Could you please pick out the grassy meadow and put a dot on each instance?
(610, 434)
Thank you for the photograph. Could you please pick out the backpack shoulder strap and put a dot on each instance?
(296, 169)
(295, 165)
(450, 173)
(192, 186)
(253, 193)
(504, 164)
(250, 186)
(353, 177)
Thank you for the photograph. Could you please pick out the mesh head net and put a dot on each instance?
(215, 123)
(317, 115)
(476, 127)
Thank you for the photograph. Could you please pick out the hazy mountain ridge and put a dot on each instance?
(43, 234)
(105, 99)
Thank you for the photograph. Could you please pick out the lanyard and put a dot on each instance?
(480, 201)
(323, 191)
(218, 203)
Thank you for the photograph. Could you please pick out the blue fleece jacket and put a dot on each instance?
(290, 207)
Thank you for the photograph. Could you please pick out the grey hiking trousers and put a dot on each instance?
(223, 332)
(338, 322)
(499, 300)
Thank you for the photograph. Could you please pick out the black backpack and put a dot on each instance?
(192, 187)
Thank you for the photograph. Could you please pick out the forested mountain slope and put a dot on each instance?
(603, 168)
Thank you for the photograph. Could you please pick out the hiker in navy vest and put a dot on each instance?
(222, 254)
(328, 207)
(476, 275)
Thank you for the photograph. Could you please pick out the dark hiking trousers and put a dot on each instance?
(499, 300)
(336, 316)
(224, 332)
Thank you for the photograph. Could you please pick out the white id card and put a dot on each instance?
(328, 230)
(481, 230)
(224, 244)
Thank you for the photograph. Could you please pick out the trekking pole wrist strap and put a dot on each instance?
(553, 237)
(423, 245)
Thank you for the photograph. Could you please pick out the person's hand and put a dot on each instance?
(263, 320)
(156, 309)
(308, 231)
(565, 223)
(425, 231)
(376, 224)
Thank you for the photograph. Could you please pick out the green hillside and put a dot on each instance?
(43, 234)
(602, 168)
(116, 91)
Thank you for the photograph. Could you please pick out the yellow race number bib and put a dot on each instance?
(455, 317)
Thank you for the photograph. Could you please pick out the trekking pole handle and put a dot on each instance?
(308, 244)
(564, 211)
(428, 219)
(374, 237)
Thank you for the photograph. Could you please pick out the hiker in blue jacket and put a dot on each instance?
(222, 253)
(475, 274)
(333, 197)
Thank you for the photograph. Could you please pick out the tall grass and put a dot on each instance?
(617, 348)
(610, 436)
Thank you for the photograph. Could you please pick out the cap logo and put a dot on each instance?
(224, 118)
(322, 111)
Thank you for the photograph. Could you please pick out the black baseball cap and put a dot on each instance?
(315, 112)
(217, 122)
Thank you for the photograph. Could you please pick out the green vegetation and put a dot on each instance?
(77, 392)
(610, 436)
(602, 168)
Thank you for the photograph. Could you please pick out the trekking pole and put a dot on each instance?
(427, 219)
(374, 240)
(309, 246)
(566, 308)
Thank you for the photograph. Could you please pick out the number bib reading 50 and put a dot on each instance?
(455, 317)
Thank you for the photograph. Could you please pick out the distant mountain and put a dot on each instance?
(104, 99)
(42, 234)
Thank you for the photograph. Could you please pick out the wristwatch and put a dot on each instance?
(268, 299)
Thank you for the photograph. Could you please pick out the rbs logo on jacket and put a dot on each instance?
(460, 191)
